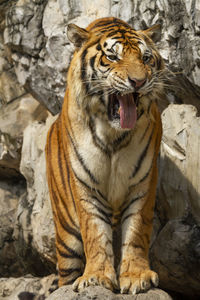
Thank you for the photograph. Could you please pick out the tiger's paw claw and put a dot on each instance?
(92, 280)
(134, 283)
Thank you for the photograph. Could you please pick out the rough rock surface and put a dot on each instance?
(34, 57)
(177, 246)
(12, 287)
(33, 168)
(35, 33)
(99, 293)
(10, 192)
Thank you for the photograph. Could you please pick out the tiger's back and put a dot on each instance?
(101, 157)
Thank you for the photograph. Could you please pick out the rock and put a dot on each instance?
(16, 116)
(176, 256)
(14, 119)
(39, 212)
(10, 193)
(175, 251)
(9, 156)
(35, 32)
(12, 287)
(9, 87)
(179, 188)
(100, 293)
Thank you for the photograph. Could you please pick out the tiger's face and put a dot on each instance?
(118, 66)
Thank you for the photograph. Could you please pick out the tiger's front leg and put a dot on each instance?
(135, 275)
(96, 233)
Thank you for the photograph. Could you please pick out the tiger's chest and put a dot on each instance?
(111, 173)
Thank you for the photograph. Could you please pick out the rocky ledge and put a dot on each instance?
(34, 57)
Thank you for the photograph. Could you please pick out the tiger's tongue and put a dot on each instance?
(128, 113)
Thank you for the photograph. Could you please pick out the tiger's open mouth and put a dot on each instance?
(123, 108)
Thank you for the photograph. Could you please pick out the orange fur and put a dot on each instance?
(100, 175)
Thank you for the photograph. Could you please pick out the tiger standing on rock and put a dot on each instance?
(101, 158)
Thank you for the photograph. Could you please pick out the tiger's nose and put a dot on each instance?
(137, 83)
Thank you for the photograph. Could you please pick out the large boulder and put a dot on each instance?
(11, 287)
(10, 193)
(175, 252)
(35, 213)
(100, 293)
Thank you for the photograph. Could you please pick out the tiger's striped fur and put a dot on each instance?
(101, 163)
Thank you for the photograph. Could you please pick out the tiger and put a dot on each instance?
(101, 157)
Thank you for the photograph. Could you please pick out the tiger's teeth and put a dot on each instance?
(119, 110)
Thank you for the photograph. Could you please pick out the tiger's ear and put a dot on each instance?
(77, 35)
(153, 32)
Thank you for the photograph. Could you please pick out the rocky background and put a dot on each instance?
(34, 56)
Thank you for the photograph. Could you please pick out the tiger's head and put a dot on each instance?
(114, 70)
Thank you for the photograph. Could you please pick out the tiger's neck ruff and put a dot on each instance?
(101, 157)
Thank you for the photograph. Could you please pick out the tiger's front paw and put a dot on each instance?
(134, 283)
(95, 279)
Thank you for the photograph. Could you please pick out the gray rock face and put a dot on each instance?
(9, 197)
(176, 248)
(100, 293)
(35, 32)
(12, 287)
(34, 58)
(33, 168)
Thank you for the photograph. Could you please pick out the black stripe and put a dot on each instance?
(132, 201)
(121, 138)
(68, 228)
(136, 246)
(83, 70)
(64, 254)
(127, 217)
(149, 107)
(146, 129)
(102, 100)
(101, 211)
(146, 174)
(58, 191)
(60, 166)
(68, 171)
(69, 184)
(140, 114)
(81, 160)
(107, 221)
(73, 253)
(101, 61)
(97, 141)
(68, 271)
(89, 187)
(142, 156)
(61, 199)
(63, 222)
(99, 201)
(114, 33)
(92, 61)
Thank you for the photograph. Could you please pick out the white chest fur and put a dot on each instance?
(110, 174)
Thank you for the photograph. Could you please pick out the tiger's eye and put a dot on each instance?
(146, 57)
(112, 57)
